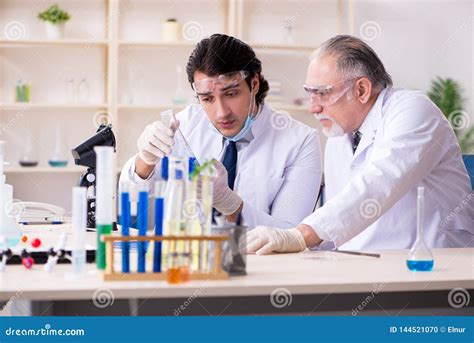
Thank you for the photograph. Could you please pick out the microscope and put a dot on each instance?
(84, 155)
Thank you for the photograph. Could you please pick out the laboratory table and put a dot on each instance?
(306, 283)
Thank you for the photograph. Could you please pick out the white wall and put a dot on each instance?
(416, 40)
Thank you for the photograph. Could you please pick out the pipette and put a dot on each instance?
(169, 119)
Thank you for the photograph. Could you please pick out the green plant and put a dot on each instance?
(447, 95)
(206, 166)
(54, 15)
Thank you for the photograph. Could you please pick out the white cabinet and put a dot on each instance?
(130, 72)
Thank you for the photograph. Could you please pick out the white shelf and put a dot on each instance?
(45, 169)
(46, 106)
(45, 43)
(191, 45)
(71, 169)
(157, 44)
(152, 107)
(282, 47)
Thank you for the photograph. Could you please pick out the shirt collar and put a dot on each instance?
(375, 114)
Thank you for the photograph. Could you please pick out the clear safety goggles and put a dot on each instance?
(224, 81)
(328, 95)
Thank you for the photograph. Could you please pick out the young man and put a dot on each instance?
(383, 144)
(270, 173)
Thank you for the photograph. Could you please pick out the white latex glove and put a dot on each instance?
(155, 142)
(264, 240)
(225, 200)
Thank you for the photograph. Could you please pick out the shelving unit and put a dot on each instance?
(116, 45)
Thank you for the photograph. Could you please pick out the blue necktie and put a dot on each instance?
(230, 163)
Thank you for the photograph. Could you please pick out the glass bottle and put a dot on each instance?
(28, 157)
(173, 273)
(58, 158)
(420, 257)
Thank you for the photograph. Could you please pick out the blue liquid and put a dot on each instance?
(420, 266)
(57, 163)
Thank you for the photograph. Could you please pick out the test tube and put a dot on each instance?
(160, 186)
(142, 223)
(104, 198)
(192, 211)
(125, 223)
(172, 211)
(79, 227)
(164, 168)
(181, 147)
(206, 221)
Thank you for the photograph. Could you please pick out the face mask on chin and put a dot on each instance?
(248, 122)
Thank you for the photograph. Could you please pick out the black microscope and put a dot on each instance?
(84, 155)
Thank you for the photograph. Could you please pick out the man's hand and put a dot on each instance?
(155, 142)
(264, 240)
(225, 200)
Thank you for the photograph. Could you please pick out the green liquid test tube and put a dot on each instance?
(100, 258)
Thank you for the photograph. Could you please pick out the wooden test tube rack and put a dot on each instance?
(110, 274)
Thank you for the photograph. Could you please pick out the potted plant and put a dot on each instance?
(54, 19)
(447, 95)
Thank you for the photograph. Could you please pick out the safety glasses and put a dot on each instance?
(224, 81)
(328, 95)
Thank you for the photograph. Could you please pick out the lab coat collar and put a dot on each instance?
(261, 120)
(370, 124)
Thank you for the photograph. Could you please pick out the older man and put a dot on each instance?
(383, 144)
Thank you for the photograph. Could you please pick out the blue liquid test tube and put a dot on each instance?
(164, 168)
(125, 223)
(160, 186)
(142, 223)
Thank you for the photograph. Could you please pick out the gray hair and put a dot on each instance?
(355, 59)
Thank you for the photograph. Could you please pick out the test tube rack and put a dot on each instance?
(110, 274)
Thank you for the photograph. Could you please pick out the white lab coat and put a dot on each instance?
(278, 172)
(372, 194)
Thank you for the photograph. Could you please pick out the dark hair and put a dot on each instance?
(220, 54)
(355, 58)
